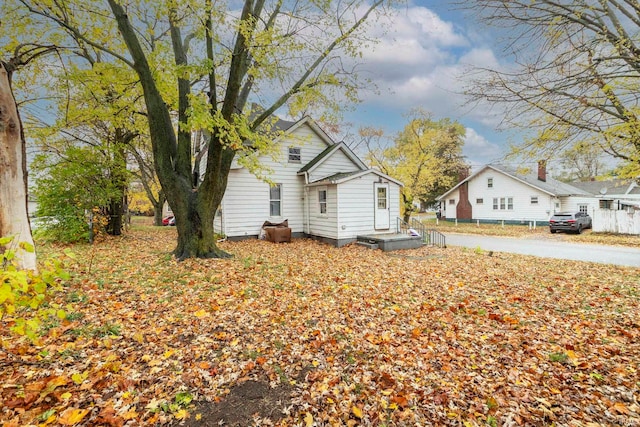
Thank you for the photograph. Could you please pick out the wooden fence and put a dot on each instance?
(612, 221)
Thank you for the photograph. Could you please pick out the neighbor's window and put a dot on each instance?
(452, 201)
(583, 208)
(322, 200)
(495, 203)
(534, 200)
(294, 155)
(510, 203)
(382, 197)
(275, 200)
(479, 201)
(606, 204)
(489, 182)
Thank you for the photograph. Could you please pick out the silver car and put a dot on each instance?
(569, 221)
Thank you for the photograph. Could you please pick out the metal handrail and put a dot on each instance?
(429, 236)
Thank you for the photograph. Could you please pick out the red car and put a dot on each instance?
(169, 220)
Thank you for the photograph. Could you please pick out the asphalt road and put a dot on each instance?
(616, 255)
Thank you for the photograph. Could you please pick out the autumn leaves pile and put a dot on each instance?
(422, 337)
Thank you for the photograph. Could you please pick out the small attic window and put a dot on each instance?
(294, 155)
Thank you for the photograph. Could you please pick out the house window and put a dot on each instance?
(534, 200)
(583, 208)
(275, 200)
(606, 204)
(294, 155)
(503, 203)
(452, 201)
(382, 197)
(322, 200)
(479, 201)
(489, 182)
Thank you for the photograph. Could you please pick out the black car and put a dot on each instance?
(569, 221)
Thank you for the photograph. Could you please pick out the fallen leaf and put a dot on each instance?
(72, 416)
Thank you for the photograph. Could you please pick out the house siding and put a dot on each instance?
(503, 186)
(245, 206)
(337, 162)
(324, 225)
(570, 204)
(356, 206)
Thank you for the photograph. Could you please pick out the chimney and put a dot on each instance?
(542, 170)
(463, 173)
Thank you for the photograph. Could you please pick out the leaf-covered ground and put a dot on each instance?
(341, 337)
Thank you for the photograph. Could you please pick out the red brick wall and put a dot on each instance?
(464, 209)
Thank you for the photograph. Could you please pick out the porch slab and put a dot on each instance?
(391, 241)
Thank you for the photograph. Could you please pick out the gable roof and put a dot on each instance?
(616, 186)
(341, 177)
(289, 127)
(328, 152)
(551, 186)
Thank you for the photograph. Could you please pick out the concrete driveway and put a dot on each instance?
(549, 248)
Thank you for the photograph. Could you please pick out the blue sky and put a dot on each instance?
(421, 62)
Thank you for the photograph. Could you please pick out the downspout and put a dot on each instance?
(306, 199)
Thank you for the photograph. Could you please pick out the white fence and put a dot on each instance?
(611, 221)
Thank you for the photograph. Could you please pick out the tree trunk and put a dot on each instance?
(14, 218)
(115, 212)
(195, 210)
(115, 209)
(408, 208)
(157, 215)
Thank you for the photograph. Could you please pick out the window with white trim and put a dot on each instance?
(275, 200)
(452, 201)
(534, 200)
(503, 203)
(489, 182)
(322, 200)
(479, 201)
(583, 208)
(295, 155)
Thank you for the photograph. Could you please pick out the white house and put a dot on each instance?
(321, 187)
(499, 193)
(614, 195)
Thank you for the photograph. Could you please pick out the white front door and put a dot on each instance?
(381, 208)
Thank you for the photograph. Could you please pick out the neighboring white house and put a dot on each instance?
(321, 187)
(500, 193)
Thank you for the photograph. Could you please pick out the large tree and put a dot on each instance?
(14, 218)
(273, 52)
(426, 156)
(574, 76)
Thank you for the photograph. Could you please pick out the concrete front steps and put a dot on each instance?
(389, 241)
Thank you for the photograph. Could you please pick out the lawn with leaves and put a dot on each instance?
(305, 334)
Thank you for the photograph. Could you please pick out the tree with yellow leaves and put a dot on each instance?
(426, 156)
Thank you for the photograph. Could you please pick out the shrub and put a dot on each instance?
(25, 296)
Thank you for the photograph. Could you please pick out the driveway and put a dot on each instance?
(546, 248)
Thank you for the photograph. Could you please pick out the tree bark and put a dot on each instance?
(194, 208)
(14, 218)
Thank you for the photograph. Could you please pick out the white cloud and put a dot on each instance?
(479, 150)
(421, 60)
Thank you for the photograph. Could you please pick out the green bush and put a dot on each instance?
(25, 296)
(70, 191)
